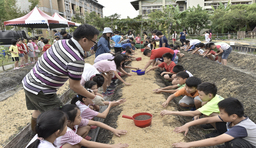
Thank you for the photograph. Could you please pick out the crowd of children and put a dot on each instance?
(71, 123)
(22, 49)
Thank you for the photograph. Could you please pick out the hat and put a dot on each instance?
(107, 30)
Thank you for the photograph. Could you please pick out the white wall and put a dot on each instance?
(191, 3)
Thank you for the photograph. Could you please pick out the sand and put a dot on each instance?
(14, 114)
(140, 98)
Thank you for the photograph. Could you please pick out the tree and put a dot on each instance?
(196, 19)
(33, 3)
(8, 10)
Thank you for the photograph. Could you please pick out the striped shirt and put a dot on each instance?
(63, 60)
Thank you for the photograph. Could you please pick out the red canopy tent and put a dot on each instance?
(36, 19)
(62, 19)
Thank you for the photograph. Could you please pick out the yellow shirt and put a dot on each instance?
(14, 49)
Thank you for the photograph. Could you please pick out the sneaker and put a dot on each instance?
(107, 93)
(112, 86)
(110, 89)
(212, 134)
(207, 127)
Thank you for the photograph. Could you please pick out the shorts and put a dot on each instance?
(118, 49)
(114, 77)
(174, 40)
(21, 55)
(160, 59)
(15, 59)
(194, 46)
(41, 101)
(189, 100)
(226, 53)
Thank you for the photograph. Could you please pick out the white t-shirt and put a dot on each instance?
(223, 45)
(173, 36)
(104, 56)
(207, 39)
(194, 42)
(43, 143)
(89, 71)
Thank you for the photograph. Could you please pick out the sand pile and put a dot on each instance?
(140, 98)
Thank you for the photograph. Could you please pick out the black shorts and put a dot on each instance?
(170, 75)
(15, 58)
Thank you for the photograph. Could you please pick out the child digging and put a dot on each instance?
(180, 78)
(189, 92)
(83, 104)
(78, 129)
(208, 94)
(49, 130)
(167, 65)
(241, 131)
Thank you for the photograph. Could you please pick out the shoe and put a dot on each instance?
(111, 86)
(207, 127)
(107, 93)
(110, 89)
(212, 134)
(16, 68)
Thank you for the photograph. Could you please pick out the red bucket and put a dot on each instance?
(140, 123)
(142, 49)
(138, 59)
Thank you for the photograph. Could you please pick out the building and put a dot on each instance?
(66, 8)
(147, 6)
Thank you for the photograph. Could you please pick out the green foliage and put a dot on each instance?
(8, 10)
(196, 19)
(33, 4)
(95, 20)
(234, 18)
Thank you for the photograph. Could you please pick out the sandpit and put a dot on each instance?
(14, 114)
(140, 98)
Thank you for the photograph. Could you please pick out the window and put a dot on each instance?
(149, 11)
(144, 12)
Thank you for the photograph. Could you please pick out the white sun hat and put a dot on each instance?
(107, 30)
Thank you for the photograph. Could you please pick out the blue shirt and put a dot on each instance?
(127, 44)
(116, 39)
(102, 47)
(163, 40)
(183, 36)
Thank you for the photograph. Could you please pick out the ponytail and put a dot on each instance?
(77, 98)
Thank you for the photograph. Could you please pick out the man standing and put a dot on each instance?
(163, 40)
(63, 61)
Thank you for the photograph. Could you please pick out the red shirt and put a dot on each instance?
(169, 67)
(20, 48)
(213, 53)
(158, 53)
(47, 46)
(24, 46)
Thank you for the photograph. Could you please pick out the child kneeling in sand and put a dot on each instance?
(241, 131)
(180, 78)
(208, 94)
(168, 65)
(78, 129)
(189, 92)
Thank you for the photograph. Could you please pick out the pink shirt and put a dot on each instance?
(104, 56)
(137, 40)
(86, 112)
(105, 66)
(70, 136)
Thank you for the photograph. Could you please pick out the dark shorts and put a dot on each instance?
(15, 58)
(41, 101)
(118, 49)
(160, 59)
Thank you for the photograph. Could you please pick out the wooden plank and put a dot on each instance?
(26, 134)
